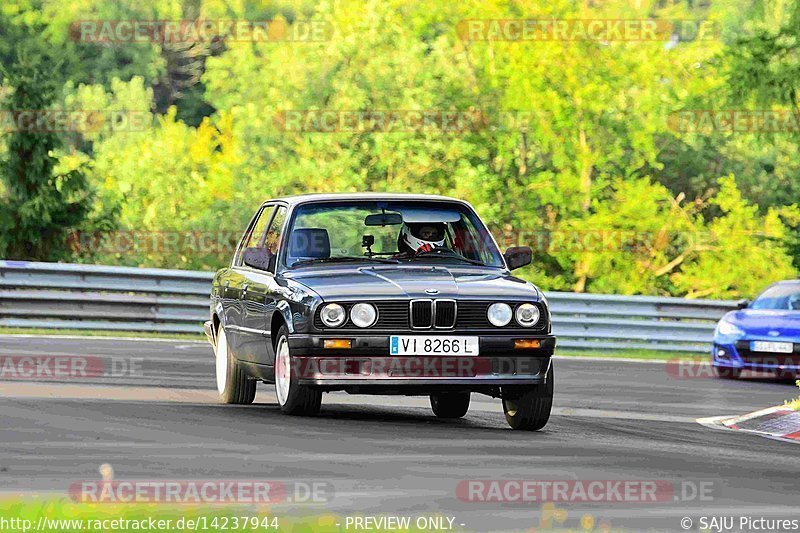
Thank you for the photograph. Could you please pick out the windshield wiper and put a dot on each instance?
(344, 259)
(449, 256)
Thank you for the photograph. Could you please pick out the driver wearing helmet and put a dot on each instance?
(416, 238)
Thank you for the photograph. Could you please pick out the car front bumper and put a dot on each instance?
(737, 354)
(368, 362)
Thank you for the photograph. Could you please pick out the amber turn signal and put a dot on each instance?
(522, 344)
(337, 343)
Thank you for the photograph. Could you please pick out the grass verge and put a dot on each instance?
(645, 355)
(62, 515)
(200, 336)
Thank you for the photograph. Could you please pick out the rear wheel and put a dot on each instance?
(233, 384)
(293, 398)
(450, 405)
(725, 372)
(527, 408)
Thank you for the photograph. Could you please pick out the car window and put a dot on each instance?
(784, 296)
(273, 238)
(345, 227)
(255, 232)
(331, 230)
(256, 238)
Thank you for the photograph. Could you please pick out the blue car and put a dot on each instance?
(761, 335)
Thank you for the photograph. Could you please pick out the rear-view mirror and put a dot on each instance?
(383, 219)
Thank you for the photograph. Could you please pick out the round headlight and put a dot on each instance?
(499, 314)
(333, 315)
(527, 315)
(363, 315)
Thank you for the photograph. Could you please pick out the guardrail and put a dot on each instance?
(96, 297)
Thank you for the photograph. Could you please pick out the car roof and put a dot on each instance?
(327, 197)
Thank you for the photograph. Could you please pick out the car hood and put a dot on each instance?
(762, 321)
(390, 282)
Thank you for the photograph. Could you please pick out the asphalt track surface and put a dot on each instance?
(389, 456)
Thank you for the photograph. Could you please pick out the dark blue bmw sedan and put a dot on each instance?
(762, 335)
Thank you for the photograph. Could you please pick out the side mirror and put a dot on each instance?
(259, 258)
(743, 304)
(518, 256)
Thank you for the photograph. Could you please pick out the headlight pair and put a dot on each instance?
(526, 315)
(362, 315)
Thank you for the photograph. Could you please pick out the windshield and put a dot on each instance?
(389, 232)
(784, 296)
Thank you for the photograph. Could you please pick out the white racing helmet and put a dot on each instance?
(415, 236)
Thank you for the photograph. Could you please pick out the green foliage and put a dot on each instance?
(574, 154)
(38, 204)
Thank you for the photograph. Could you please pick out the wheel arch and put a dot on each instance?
(281, 317)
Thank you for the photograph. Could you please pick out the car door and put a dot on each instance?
(274, 293)
(236, 286)
(258, 298)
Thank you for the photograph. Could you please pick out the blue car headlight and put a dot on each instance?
(727, 329)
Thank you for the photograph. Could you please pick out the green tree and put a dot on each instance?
(40, 205)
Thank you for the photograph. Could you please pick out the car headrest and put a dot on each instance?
(310, 243)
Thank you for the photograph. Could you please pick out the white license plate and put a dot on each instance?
(771, 347)
(432, 345)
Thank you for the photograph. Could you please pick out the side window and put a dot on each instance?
(256, 233)
(273, 239)
(256, 237)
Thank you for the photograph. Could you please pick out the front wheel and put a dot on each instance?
(450, 405)
(233, 384)
(528, 408)
(294, 399)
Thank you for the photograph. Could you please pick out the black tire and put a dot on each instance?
(725, 372)
(527, 408)
(301, 400)
(450, 404)
(239, 388)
